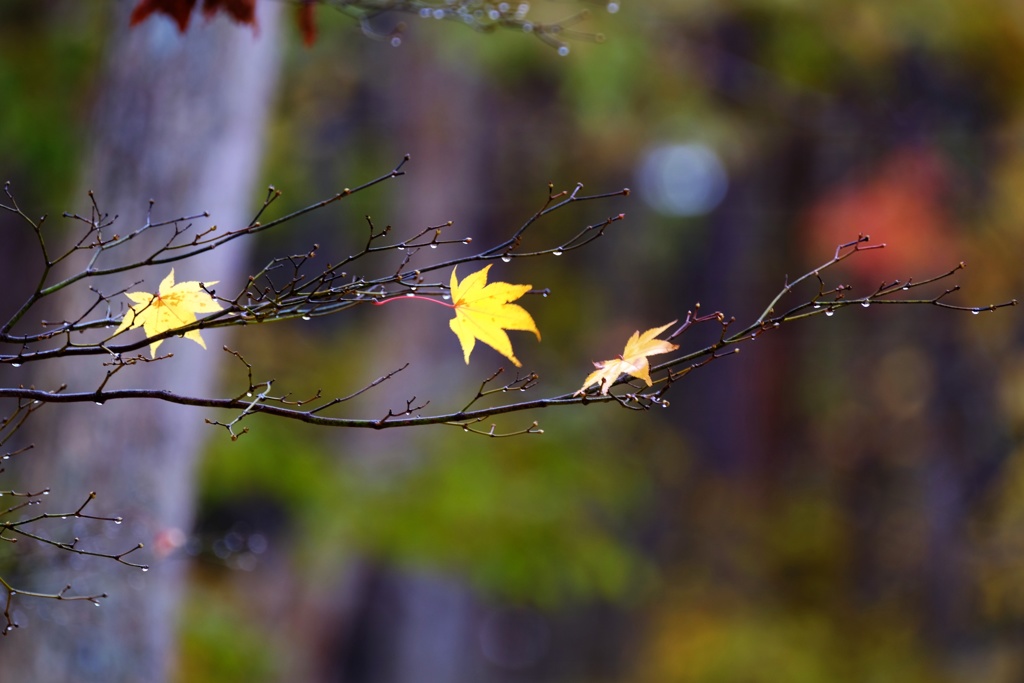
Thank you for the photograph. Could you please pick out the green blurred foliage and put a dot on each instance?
(49, 53)
(715, 642)
(549, 521)
(221, 642)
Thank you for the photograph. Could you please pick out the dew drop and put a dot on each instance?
(433, 246)
(975, 312)
(865, 304)
(99, 403)
(15, 365)
(410, 294)
(906, 287)
(46, 493)
(118, 520)
(396, 41)
(248, 394)
(527, 27)
(544, 294)
(145, 569)
(506, 259)
(306, 317)
(493, 15)
(7, 456)
(446, 296)
(96, 604)
(425, 12)
(816, 306)
(557, 252)
(439, 14)
(830, 313)
(63, 516)
(563, 51)
(612, 7)
(401, 247)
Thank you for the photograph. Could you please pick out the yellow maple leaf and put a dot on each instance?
(483, 311)
(173, 306)
(633, 360)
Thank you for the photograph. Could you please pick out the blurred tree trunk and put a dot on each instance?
(407, 626)
(180, 120)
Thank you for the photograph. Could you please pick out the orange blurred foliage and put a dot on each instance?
(901, 203)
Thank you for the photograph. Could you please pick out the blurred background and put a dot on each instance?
(842, 501)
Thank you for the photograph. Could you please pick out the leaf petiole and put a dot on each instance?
(381, 302)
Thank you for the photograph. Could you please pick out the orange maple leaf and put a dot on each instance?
(483, 311)
(173, 306)
(633, 360)
(242, 11)
(307, 26)
(178, 10)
